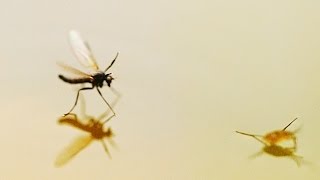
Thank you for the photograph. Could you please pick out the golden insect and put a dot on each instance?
(277, 136)
(273, 143)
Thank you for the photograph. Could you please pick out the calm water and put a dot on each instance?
(190, 74)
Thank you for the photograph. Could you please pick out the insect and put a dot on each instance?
(279, 151)
(272, 140)
(85, 57)
(277, 136)
(94, 127)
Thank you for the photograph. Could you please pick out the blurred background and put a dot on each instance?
(190, 73)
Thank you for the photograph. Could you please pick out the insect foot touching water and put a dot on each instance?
(278, 143)
(94, 128)
(85, 57)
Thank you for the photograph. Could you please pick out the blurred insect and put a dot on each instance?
(272, 140)
(277, 136)
(95, 129)
(279, 151)
(84, 55)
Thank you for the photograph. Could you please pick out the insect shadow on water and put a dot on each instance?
(272, 140)
(94, 127)
(85, 57)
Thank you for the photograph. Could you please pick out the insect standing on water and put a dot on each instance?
(84, 55)
(277, 136)
(94, 127)
(272, 146)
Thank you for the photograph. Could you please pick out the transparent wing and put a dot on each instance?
(73, 149)
(72, 70)
(82, 51)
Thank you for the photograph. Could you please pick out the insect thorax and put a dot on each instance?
(98, 79)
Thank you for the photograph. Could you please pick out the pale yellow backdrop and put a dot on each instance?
(190, 72)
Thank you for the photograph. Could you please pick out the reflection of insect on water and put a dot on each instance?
(83, 53)
(95, 129)
(279, 151)
(272, 143)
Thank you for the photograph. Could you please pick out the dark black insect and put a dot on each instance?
(84, 54)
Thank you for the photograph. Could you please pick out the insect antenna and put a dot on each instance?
(111, 63)
(105, 148)
(289, 124)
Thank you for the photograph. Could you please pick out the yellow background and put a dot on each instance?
(190, 72)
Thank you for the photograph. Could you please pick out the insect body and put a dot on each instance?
(278, 136)
(272, 143)
(84, 54)
(94, 128)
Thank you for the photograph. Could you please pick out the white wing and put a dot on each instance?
(73, 70)
(82, 50)
(73, 149)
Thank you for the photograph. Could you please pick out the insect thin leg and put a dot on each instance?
(108, 119)
(102, 116)
(113, 144)
(75, 103)
(106, 102)
(83, 107)
(254, 136)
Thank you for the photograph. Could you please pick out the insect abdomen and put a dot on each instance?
(74, 81)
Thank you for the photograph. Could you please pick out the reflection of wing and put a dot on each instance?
(73, 149)
(82, 51)
(73, 70)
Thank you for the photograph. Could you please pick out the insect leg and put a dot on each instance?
(103, 115)
(75, 103)
(106, 102)
(108, 119)
(254, 136)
